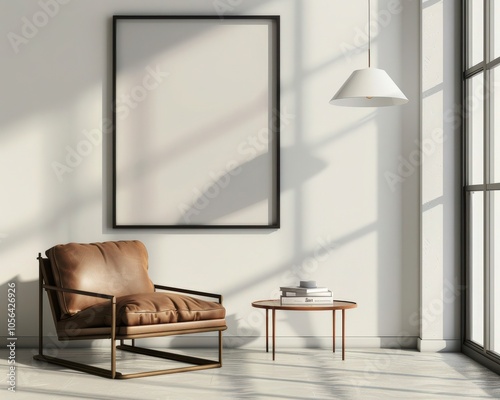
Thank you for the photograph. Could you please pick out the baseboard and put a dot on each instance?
(439, 345)
(207, 340)
(210, 340)
(322, 342)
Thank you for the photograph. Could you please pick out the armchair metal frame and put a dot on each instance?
(45, 282)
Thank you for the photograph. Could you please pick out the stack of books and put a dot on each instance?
(302, 295)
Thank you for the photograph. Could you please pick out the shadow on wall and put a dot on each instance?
(241, 188)
(64, 76)
(26, 311)
(239, 335)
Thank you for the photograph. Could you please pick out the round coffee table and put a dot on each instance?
(274, 305)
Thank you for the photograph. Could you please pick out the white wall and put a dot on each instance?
(337, 164)
(440, 177)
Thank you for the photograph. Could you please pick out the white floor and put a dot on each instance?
(251, 374)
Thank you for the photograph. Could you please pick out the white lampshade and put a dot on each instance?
(369, 87)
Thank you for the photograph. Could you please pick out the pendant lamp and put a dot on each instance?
(369, 87)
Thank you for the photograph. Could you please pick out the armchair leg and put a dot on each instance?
(77, 366)
(199, 363)
(40, 307)
(220, 348)
(113, 340)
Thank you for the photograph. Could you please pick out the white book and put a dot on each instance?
(328, 293)
(300, 300)
(303, 291)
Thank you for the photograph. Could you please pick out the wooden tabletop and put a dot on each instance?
(276, 305)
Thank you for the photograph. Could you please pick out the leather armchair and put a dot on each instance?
(103, 291)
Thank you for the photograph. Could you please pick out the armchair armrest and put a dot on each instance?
(188, 291)
(82, 292)
(111, 298)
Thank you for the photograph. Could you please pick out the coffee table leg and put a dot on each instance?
(267, 330)
(333, 330)
(274, 331)
(343, 334)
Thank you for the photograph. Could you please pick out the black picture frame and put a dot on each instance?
(144, 185)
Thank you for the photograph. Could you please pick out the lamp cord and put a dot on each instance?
(369, 34)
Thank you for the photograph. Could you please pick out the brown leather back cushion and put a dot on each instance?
(116, 268)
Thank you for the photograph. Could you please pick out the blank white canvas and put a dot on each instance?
(194, 101)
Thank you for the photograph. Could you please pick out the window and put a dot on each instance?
(482, 176)
(476, 261)
(496, 272)
(475, 28)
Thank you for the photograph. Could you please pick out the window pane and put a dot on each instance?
(475, 49)
(475, 128)
(495, 5)
(476, 277)
(496, 270)
(495, 112)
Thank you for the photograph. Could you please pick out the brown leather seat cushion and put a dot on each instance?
(116, 268)
(146, 309)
